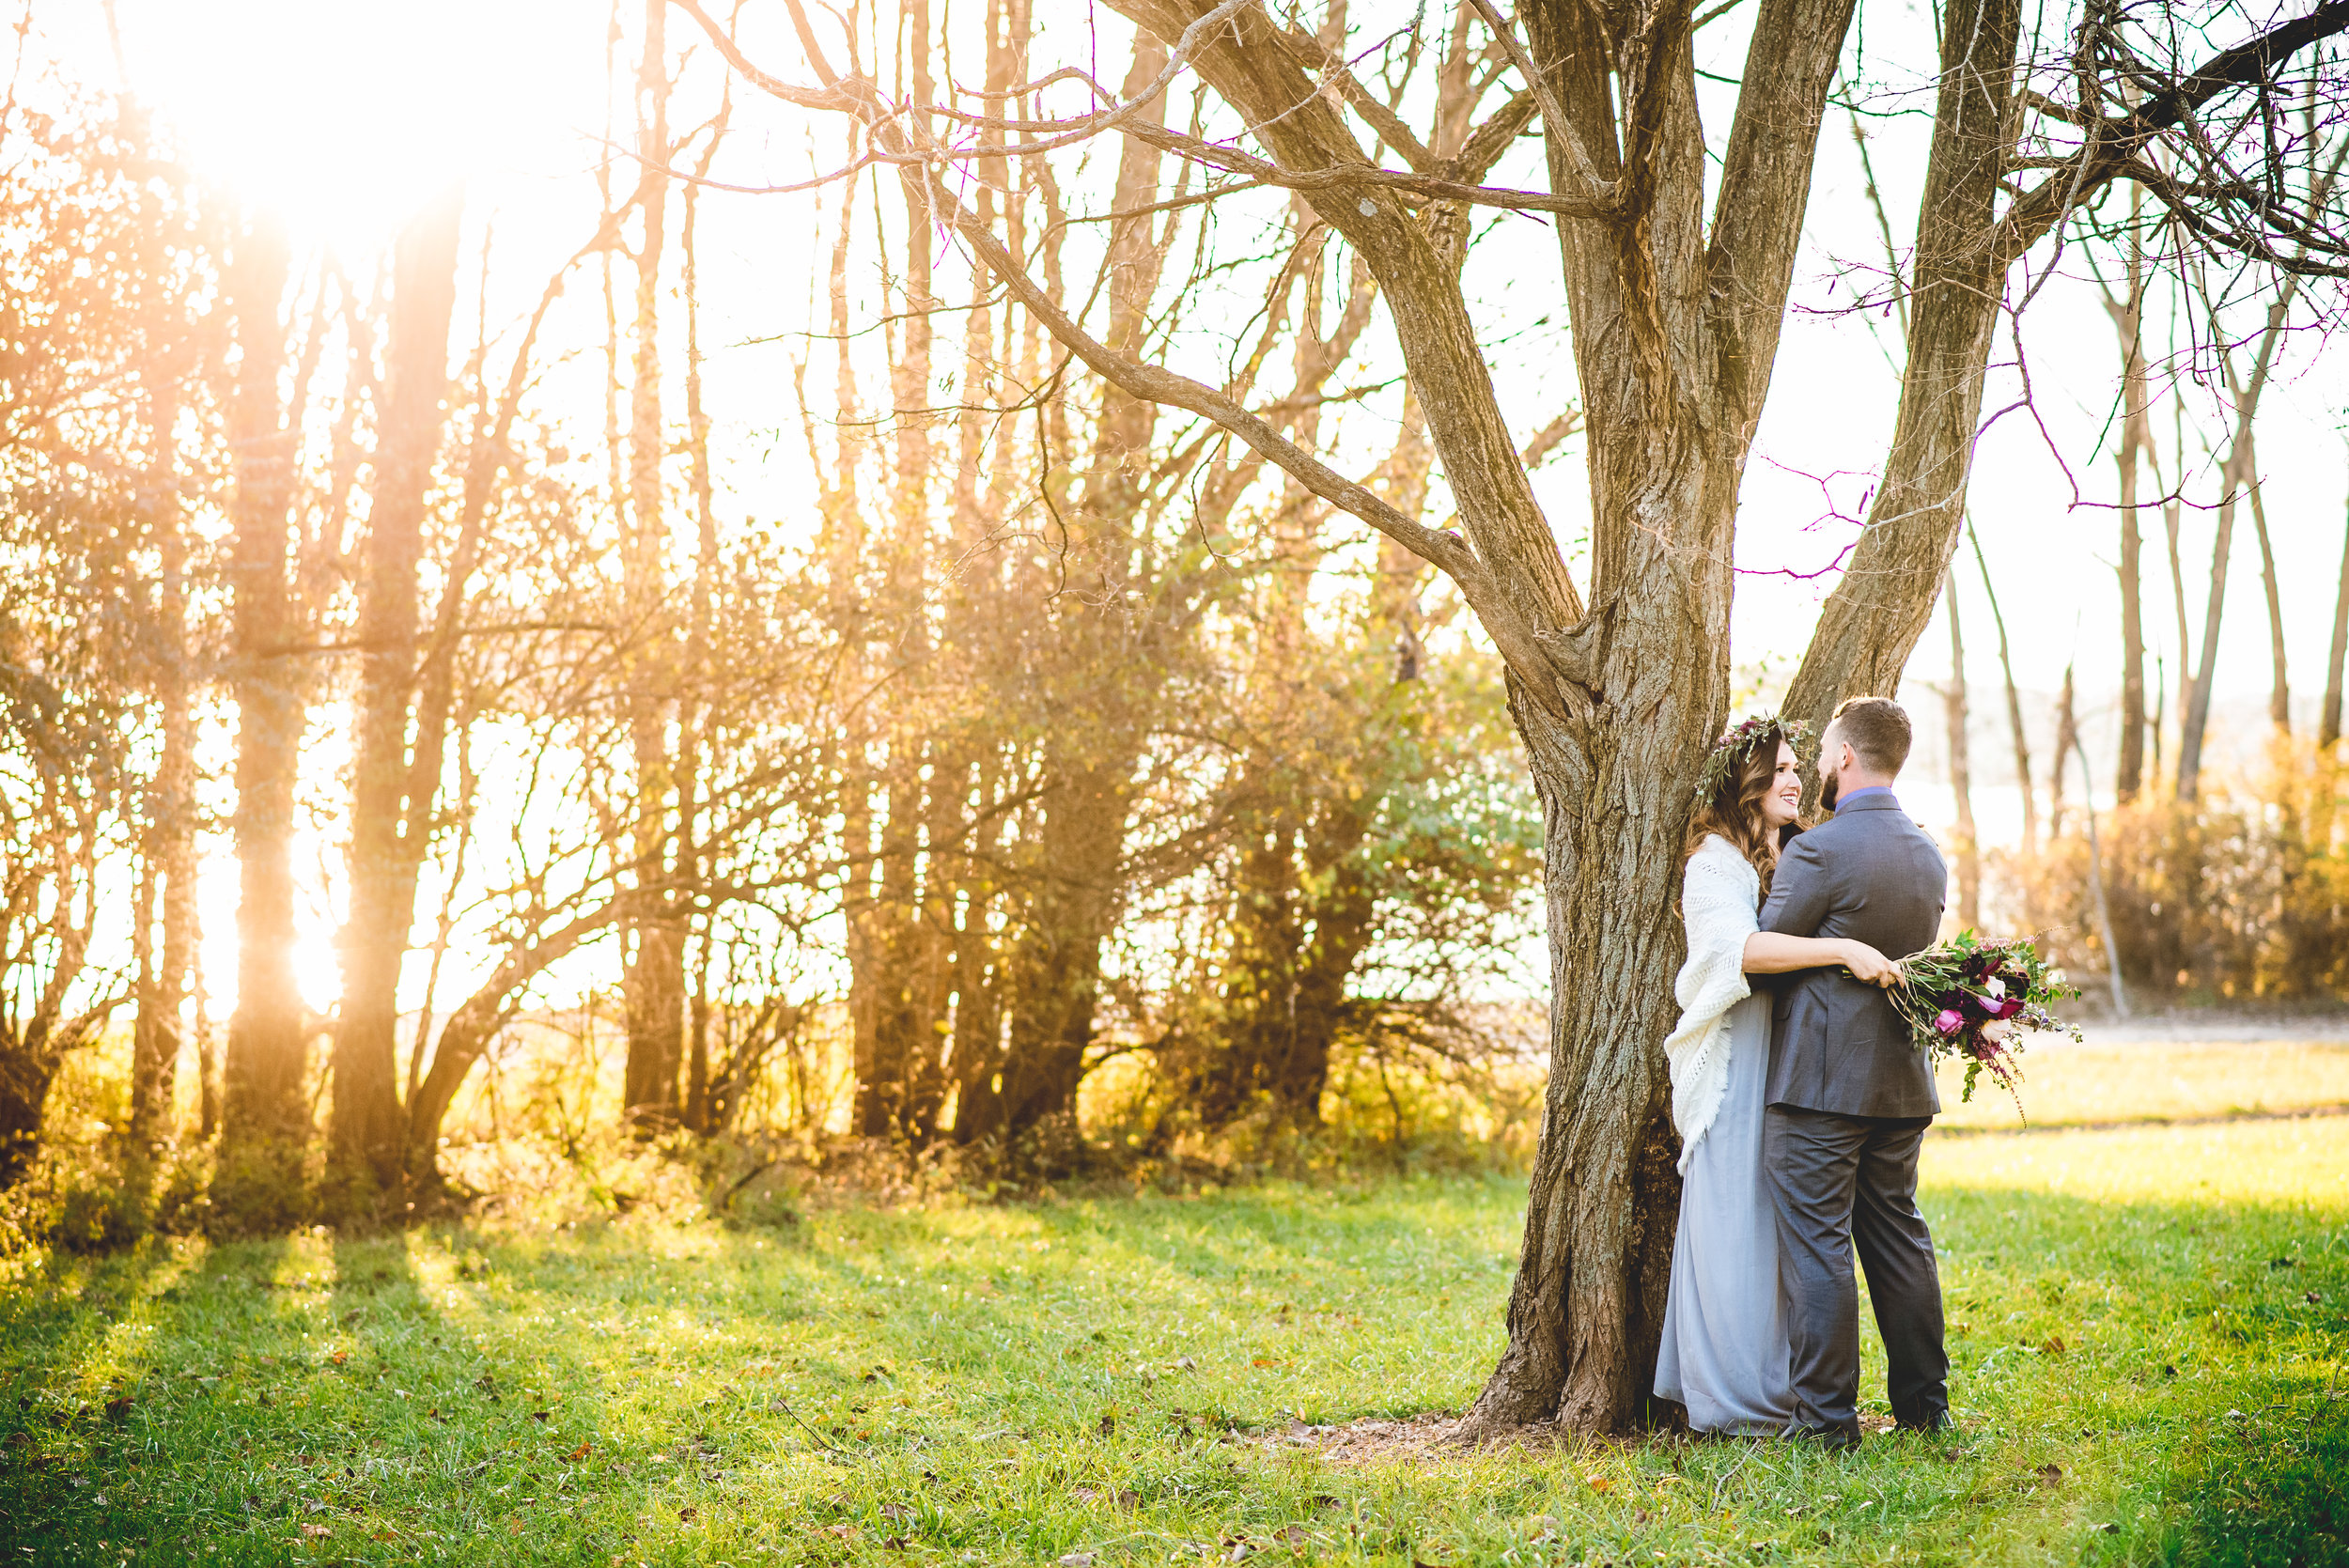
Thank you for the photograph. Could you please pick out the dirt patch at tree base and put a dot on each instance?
(1431, 1435)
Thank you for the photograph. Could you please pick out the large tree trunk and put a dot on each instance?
(264, 1118)
(1670, 390)
(366, 1137)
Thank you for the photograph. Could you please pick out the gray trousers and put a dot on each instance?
(1837, 1182)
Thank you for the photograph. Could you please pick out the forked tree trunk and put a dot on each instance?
(366, 1137)
(264, 1118)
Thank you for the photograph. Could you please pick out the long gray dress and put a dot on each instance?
(1724, 1354)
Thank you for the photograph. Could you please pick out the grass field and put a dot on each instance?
(2149, 1330)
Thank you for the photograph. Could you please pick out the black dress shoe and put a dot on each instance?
(1938, 1422)
(1834, 1439)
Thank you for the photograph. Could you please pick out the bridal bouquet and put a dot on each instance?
(1968, 998)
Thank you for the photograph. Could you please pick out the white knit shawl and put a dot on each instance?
(1720, 895)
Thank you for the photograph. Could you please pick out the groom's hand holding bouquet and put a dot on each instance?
(1967, 998)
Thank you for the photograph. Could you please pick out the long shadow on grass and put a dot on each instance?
(109, 1375)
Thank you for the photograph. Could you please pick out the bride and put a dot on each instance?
(1724, 1354)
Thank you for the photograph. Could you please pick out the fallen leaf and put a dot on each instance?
(318, 1532)
(118, 1408)
(1077, 1559)
(1293, 1534)
(1182, 1363)
(1107, 1424)
(580, 1453)
(1600, 1482)
(895, 1513)
(1266, 1361)
(539, 1415)
(2052, 1346)
(687, 1515)
(339, 1356)
(2050, 1475)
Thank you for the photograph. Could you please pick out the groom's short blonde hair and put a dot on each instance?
(1876, 729)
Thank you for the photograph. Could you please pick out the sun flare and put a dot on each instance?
(341, 118)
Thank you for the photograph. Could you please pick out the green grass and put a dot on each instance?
(2150, 1370)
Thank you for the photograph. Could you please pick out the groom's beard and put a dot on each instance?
(1828, 792)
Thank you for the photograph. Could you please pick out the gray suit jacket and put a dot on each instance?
(1837, 1045)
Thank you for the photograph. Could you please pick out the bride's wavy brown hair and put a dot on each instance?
(1734, 810)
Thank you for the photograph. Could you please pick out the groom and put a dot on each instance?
(1849, 1095)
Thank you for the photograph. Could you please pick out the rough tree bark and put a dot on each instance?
(366, 1135)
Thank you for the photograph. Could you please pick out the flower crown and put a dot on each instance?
(1738, 743)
